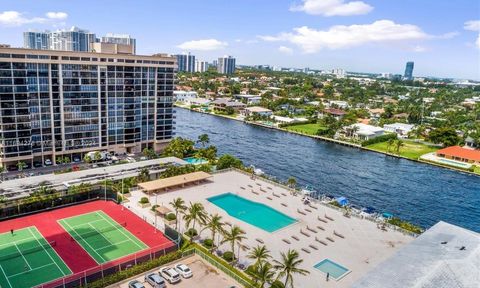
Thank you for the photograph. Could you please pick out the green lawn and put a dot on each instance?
(411, 150)
(310, 129)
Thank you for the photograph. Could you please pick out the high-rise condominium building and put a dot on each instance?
(36, 40)
(408, 71)
(186, 62)
(201, 66)
(65, 104)
(226, 65)
(123, 39)
(73, 39)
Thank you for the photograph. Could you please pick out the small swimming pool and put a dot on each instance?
(195, 161)
(254, 213)
(335, 270)
(454, 163)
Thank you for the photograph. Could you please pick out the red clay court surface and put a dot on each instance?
(70, 251)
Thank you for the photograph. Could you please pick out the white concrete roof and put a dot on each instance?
(426, 262)
(258, 109)
(365, 129)
(23, 186)
(403, 126)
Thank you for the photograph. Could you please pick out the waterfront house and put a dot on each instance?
(335, 113)
(401, 129)
(362, 131)
(460, 154)
(184, 96)
(288, 120)
(222, 104)
(248, 99)
(257, 110)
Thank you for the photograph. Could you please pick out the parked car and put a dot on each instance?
(76, 159)
(135, 284)
(155, 280)
(170, 275)
(184, 270)
(48, 162)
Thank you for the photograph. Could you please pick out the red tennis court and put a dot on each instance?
(70, 251)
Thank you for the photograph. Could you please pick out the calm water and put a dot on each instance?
(417, 192)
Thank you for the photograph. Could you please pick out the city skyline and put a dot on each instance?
(362, 36)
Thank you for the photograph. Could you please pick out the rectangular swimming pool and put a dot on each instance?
(336, 271)
(254, 213)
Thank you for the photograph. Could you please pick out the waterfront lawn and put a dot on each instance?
(310, 129)
(411, 150)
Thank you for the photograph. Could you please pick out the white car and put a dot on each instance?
(184, 270)
(170, 274)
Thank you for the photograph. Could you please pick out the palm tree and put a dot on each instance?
(143, 175)
(203, 139)
(196, 214)
(263, 273)
(291, 182)
(398, 145)
(215, 224)
(178, 205)
(288, 266)
(390, 143)
(259, 254)
(235, 235)
(21, 165)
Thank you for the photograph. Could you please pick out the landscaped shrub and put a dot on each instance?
(228, 256)
(208, 243)
(191, 232)
(383, 138)
(135, 270)
(144, 200)
(154, 207)
(170, 216)
(405, 225)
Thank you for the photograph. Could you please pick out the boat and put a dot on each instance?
(307, 190)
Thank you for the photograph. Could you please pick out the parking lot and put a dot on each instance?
(204, 275)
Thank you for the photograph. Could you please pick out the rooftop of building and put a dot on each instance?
(443, 256)
(460, 152)
(258, 109)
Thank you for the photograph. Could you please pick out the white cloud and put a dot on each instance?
(333, 7)
(203, 45)
(473, 25)
(57, 15)
(15, 18)
(338, 37)
(285, 50)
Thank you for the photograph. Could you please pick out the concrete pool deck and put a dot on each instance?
(363, 247)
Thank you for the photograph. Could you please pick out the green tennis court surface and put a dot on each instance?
(27, 259)
(101, 236)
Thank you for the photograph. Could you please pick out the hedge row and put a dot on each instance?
(135, 270)
(379, 139)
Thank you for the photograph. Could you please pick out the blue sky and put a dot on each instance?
(441, 36)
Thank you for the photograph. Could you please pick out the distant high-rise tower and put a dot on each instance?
(201, 66)
(186, 62)
(36, 40)
(226, 65)
(408, 71)
(74, 39)
(123, 39)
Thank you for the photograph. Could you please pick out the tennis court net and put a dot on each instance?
(31, 250)
(91, 231)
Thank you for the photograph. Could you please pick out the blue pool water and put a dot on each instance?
(256, 214)
(195, 161)
(335, 270)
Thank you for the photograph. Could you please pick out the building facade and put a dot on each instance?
(226, 65)
(408, 71)
(73, 39)
(186, 62)
(201, 66)
(66, 104)
(123, 39)
(36, 40)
